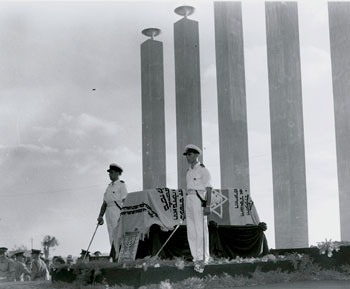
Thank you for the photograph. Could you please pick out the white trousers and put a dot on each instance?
(197, 228)
(112, 216)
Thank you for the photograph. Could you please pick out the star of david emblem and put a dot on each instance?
(218, 200)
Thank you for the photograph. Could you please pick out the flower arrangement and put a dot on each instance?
(304, 265)
(179, 262)
(305, 268)
(328, 246)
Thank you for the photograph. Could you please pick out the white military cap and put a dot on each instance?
(115, 167)
(192, 148)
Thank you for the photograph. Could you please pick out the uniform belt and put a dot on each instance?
(193, 192)
(114, 204)
(196, 192)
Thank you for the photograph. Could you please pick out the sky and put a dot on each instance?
(70, 104)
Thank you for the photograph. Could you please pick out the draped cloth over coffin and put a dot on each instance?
(163, 207)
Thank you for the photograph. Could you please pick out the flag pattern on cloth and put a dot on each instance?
(233, 207)
(141, 210)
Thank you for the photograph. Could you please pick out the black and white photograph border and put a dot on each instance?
(71, 104)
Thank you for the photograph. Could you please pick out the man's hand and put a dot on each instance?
(206, 211)
(100, 220)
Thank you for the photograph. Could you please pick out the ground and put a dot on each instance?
(333, 284)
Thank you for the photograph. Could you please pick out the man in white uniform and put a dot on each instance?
(197, 207)
(113, 200)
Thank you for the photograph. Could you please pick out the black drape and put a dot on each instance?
(224, 241)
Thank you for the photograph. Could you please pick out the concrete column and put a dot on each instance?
(153, 120)
(188, 93)
(339, 29)
(287, 132)
(233, 131)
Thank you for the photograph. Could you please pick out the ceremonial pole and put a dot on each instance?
(232, 107)
(339, 30)
(188, 87)
(287, 127)
(153, 116)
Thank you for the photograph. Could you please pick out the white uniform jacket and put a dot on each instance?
(115, 193)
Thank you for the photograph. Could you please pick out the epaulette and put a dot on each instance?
(203, 166)
(122, 181)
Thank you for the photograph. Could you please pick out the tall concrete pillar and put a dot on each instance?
(287, 131)
(339, 29)
(153, 119)
(233, 131)
(187, 85)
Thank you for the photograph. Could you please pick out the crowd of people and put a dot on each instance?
(18, 266)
